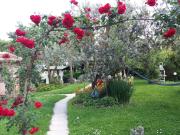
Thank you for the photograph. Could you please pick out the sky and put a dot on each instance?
(13, 12)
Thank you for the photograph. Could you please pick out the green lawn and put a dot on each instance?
(45, 113)
(71, 88)
(157, 108)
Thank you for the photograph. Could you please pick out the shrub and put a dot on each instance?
(120, 90)
(81, 98)
(48, 87)
(84, 90)
(106, 101)
(85, 99)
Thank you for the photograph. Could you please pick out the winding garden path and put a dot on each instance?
(59, 121)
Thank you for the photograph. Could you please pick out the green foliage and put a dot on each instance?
(120, 90)
(82, 99)
(66, 76)
(148, 64)
(85, 99)
(48, 87)
(173, 65)
(35, 77)
(23, 120)
(106, 101)
(3, 45)
(7, 77)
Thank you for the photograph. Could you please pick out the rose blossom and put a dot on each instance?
(35, 19)
(104, 9)
(121, 8)
(68, 21)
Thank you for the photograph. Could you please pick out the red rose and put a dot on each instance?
(1, 110)
(5, 112)
(11, 49)
(51, 20)
(29, 43)
(35, 19)
(121, 8)
(88, 17)
(25, 132)
(33, 130)
(63, 40)
(104, 9)
(74, 2)
(3, 102)
(109, 13)
(37, 104)
(65, 34)
(19, 100)
(179, 2)
(151, 2)
(79, 33)
(11, 113)
(169, 33)
(20, 32)
(95, 20)
(6, 56)
(87, 9)
(68, 21)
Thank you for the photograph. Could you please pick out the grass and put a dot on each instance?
(154, 107)
(71, 88)
(48, 98)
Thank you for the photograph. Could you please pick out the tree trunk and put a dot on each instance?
(49, 73)
(28, 77)
(71, 73)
